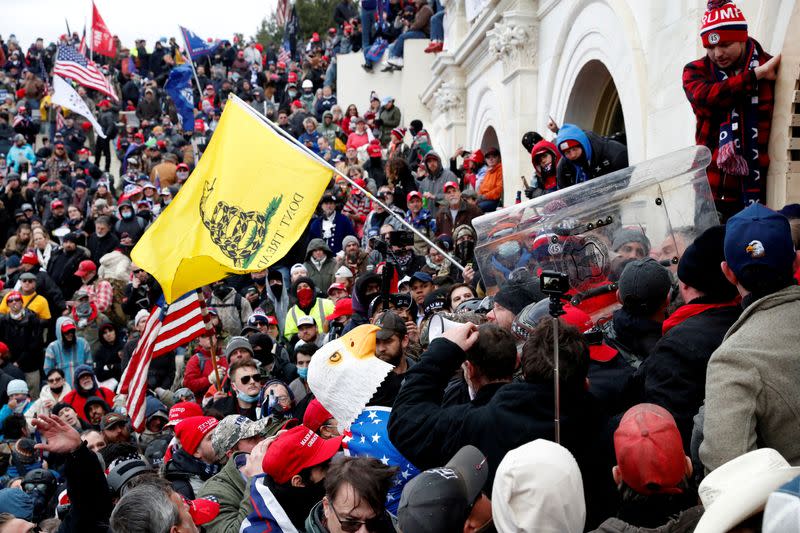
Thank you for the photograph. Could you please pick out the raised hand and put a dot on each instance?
(60, 436)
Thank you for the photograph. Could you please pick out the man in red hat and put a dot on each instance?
(652, 472)
(458, 211)
(101, 294)
(195, 461)
(731, 91)
(296, 464)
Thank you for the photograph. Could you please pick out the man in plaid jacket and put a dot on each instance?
(731, 91)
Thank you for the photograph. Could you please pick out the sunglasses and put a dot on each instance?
(28, 280)
(12, 300)
(137, 271)
(55, 379)
(246, 379)
(372, 524)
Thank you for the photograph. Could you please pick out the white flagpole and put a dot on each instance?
(311, 153)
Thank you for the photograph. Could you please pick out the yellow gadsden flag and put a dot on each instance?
(247, 202)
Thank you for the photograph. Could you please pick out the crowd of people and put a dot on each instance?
(676, 411)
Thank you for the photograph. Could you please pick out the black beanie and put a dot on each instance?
(515, 295)
(699, 266)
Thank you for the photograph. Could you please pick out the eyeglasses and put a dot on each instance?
(12, 300)
(246, 379)
(55, 379)
(372, 524)
(137, 271)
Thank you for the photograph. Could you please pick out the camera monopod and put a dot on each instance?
(555, 285)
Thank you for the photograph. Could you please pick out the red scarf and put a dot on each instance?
(690, 310)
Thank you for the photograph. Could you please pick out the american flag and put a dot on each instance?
(82, 47)
(71, 64)
(60, 124)
(284, 55)
(282, 13)
(369, 436)
(267, 514)
(167, 328)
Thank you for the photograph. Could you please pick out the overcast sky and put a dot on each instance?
(132, 19)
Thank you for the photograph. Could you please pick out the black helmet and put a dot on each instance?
(530, 317)
(123, 472)
(42, 481)
(473, 305)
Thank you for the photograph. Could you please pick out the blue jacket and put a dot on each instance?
(342, 227)
(16, 152)
(601, 156)
(312, 138)
(56, 355)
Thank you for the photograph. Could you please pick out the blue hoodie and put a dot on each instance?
(571, 132)
(56, 355)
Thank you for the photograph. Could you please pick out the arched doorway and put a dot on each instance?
(594, 101)
(489, 140)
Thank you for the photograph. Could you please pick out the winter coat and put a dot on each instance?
(434, 183)
(78, 398)
(162, 369)
(319, 309)
(24, 339)
(187, 474)
(230, 488)
(45, 402)
(674, 375)
(634, 337)
(428, 434)
(62, 269)
(323, 276)
(107, 358)
(685, 522)
(198, 368)
(390, 119)
(601, 156)
(115, 265)
(491, 187)
(752, 398)
(56, 355)
(100, 246)
(230, 406)
(444, 220)
(233, 309)
(332, 231)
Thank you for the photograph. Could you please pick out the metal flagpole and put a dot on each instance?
(348, 179)
(191, 62)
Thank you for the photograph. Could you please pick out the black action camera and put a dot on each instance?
(554, 283)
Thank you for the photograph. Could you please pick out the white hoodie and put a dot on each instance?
(45, 403)
(538, 488)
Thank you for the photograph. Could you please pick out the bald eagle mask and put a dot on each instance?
(344, 374)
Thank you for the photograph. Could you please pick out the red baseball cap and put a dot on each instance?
(450, 184)
(182, 410)
(29, 258)
(374, 150)
(566, 144)
(191, 431)
(297, 449)
(104, 103)
(4, 350)
(67, 325)
(649, 450)
(413, 194)
(297, 103)
(315, 416)
(583, 322)
(340, 286)
(84, 267)
(271, 320)
(182, 166)
(292, 77)
(13, 294)
(343, 307)
(56, 203)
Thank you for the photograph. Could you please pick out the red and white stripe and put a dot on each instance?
(70, 64)
(183, 321)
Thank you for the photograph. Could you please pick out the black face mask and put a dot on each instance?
(260, 281)
(404, 258)
(57, 391)
(465, 250)
(277, 289)
(220, 291)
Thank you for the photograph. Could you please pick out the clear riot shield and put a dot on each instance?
(591, 230)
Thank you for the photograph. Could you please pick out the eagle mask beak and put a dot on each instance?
(361, 341)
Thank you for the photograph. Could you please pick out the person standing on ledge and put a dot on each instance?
(731, 91)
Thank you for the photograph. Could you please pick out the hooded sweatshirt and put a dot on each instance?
(601, 156)
(78, 398)
(47, 399)
(107, 356)
(322, 273)
(67, 358)
(434, 182)
(546, 175)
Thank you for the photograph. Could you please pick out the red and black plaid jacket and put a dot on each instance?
(712, 102)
